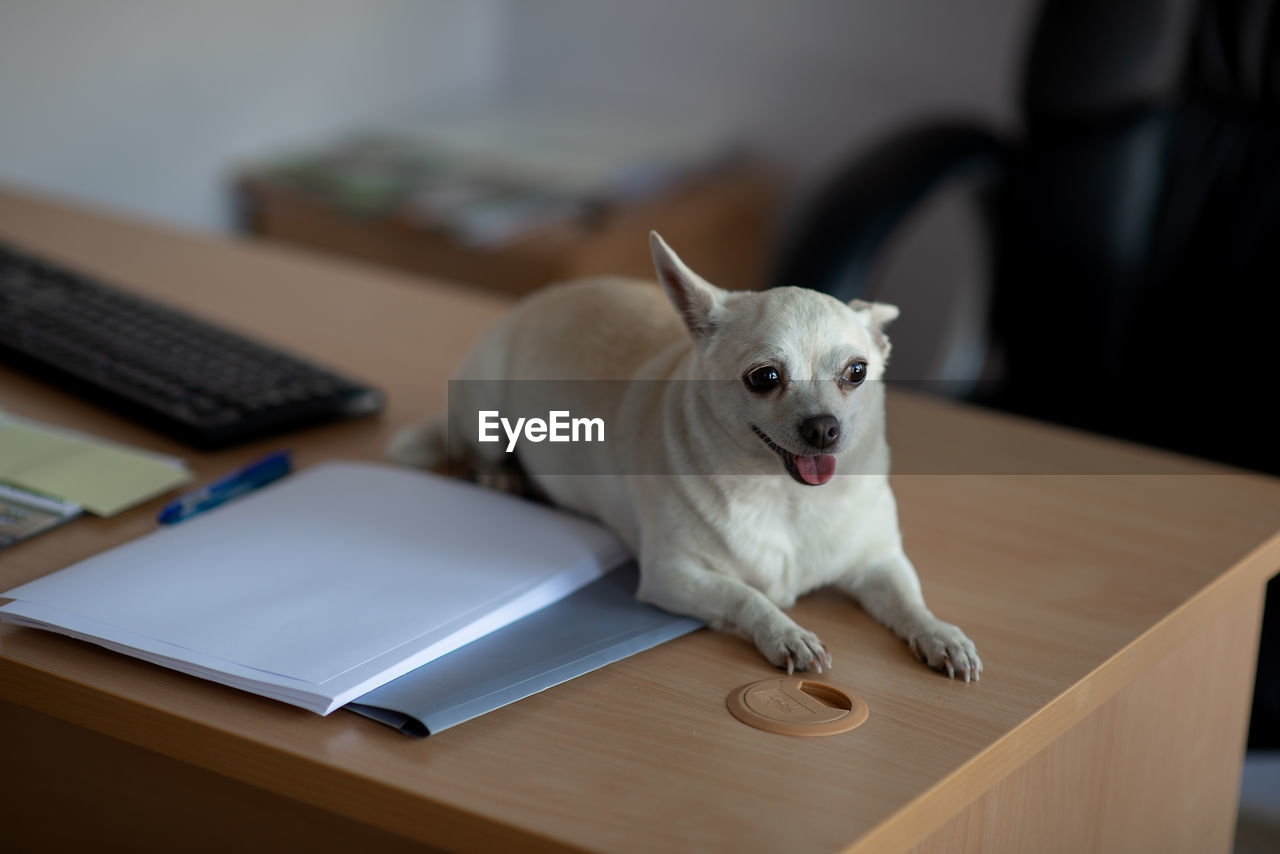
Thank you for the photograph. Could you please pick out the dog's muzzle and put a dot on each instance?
(809, 469)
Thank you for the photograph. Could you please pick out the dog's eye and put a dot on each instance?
(763, 380)
(855, 373)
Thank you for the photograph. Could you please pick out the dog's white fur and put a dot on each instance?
(733, 548)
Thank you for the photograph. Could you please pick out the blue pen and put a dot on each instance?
(253, 476)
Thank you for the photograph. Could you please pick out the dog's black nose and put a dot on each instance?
(820, 430)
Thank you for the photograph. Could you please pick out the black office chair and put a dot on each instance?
(1134, 235)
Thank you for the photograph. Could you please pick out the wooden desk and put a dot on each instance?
(1115, 597)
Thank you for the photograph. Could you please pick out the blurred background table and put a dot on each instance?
(513, 203)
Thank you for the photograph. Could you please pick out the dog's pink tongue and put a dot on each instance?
(816, 470)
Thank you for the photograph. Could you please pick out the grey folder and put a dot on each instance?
(598, 625)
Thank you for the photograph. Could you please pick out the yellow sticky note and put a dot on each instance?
(103, 477)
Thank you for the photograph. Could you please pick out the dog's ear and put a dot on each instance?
(694, 297)
(876, 316)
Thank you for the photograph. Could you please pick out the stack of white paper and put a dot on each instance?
(325, 585)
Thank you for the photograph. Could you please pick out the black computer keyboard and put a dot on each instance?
(200, 383)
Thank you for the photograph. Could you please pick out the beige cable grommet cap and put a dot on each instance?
(797, 705)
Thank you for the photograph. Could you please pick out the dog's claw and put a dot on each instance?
(794, 649)
(944, 647)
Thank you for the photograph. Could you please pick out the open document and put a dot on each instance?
(325, 585)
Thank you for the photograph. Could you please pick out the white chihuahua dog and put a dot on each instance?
(747, 462)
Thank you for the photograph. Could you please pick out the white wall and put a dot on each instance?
(144, 105)
(805, 80)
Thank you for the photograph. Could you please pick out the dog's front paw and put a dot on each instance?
(793, 648)
(944, 647)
